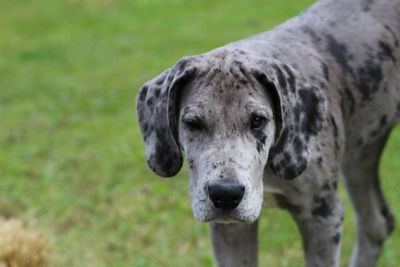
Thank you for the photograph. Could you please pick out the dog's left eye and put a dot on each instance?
(195, 124)
(257, 122)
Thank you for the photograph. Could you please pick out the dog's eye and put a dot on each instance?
(257, 122)
(194, 124)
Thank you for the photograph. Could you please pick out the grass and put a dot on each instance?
(71, 157)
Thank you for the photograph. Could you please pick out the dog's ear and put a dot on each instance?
(156, 109)
(299, 115)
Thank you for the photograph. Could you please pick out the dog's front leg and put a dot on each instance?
(320, 225)
(235, 244)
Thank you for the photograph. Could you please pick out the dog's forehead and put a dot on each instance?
(223, 87)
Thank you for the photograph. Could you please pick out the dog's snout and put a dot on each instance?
(225, 195)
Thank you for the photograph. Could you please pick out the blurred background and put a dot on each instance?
(72, 162)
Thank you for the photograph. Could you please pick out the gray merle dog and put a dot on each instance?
(281, 116)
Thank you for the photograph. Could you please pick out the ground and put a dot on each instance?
(71, 157)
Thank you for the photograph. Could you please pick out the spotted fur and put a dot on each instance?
(327, 85)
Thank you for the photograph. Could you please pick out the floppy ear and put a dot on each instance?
(299, 114)
(156, 109)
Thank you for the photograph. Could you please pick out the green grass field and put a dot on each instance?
(71, 157)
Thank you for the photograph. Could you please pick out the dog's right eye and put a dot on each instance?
(257, 122)
(195, 124)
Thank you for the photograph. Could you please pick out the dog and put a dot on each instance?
(281, 116)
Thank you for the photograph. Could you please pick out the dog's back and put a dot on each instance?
(362, 40)
(358, 46)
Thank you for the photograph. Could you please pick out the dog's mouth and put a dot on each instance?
(225, 216)
(227, 220)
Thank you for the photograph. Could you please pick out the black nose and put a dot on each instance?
(225, 195)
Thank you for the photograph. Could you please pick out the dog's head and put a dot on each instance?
(232, 114)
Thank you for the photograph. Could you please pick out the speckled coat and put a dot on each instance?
(326, 86)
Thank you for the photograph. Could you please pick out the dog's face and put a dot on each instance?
(226, 128)
(232, 114)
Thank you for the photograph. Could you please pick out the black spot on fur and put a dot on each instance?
(170, 78)
(163, 157)
(149, 101)
(191, 163)
(337, 147)
(334, 125)
(143, 93)
(367, 5)
(334, 185)
(312, 122)
(182, 64)
(202, 74)
(379, 242)
(291, 78)
(260, 136)
(259, 147)
(286, 159)
(350, 100)
(309, 31)
(396, 41)
(297, 113)
(326, 187)
(369, 79)
(322, 208)
(282, 140)
(340, 54)
(385, 212)
(342, 101)
(145, 127)
(382, 123)
(390, 220)
(386, 51)
(325, 70)
(281, 78)
(336, 238)
(157, 92)
(298, 145)
(245, 74)
(292, 171)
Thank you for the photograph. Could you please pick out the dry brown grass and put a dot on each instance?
(22, 246)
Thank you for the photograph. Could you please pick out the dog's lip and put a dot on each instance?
(227, 220)
(223, 216)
